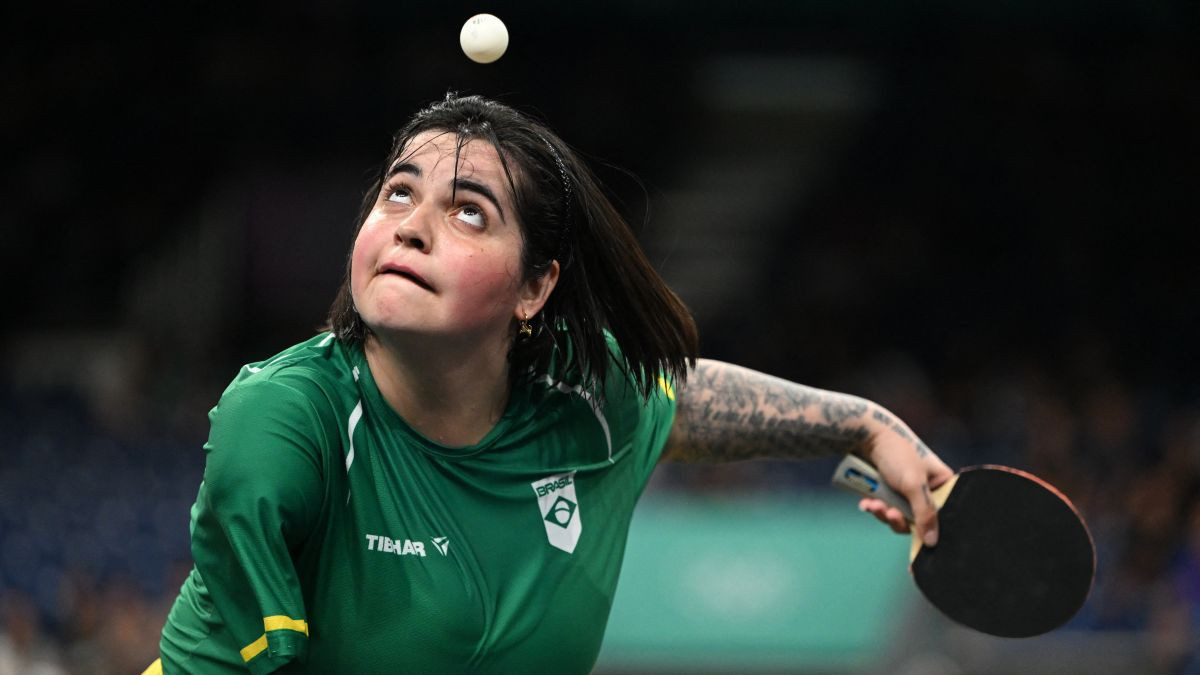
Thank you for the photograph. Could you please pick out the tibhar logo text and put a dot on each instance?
(377, 542)
(560, 510)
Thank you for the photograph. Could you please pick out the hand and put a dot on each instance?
(911, 469)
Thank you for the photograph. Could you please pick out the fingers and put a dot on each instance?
(890, 516)
(938, 471)
(924, 513)
(913, 486)
(924, 509)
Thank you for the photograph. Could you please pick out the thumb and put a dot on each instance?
(925, 518)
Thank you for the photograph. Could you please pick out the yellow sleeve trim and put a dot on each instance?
(666, 387)
(254, 648)
(271, 623)
(154, 669)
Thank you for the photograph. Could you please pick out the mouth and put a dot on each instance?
(406, 273)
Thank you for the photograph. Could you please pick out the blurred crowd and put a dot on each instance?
(93, 536)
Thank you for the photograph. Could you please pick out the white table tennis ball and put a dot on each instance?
(483, 38)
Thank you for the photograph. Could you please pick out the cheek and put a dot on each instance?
(363, 255)
(488, 279)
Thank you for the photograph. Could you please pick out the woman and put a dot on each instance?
(444, 481)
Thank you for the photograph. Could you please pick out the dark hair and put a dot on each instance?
(605, 280)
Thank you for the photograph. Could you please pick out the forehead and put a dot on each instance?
(434, 151)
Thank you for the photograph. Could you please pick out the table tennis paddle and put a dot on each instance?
(1014, 558)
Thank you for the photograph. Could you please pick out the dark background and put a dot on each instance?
(980, 214)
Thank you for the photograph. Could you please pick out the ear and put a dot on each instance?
(535, 292)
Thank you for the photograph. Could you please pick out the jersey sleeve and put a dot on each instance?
(261, 495)
(640, 424)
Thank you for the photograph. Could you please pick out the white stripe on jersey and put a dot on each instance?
(587, 396)
(354, 418)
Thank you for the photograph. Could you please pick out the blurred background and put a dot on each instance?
(981, 215)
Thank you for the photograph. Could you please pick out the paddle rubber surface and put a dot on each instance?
(1013, 559)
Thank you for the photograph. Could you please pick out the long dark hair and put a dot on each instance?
(605, 282)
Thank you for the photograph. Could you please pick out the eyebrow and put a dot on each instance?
(458, 184)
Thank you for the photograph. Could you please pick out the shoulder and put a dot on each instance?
(318, 372)
(282, 415)
(561, 364)
(622, 384)
(620, 398)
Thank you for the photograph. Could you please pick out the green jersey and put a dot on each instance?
(330, 536)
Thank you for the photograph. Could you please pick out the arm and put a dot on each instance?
(261, 493)
(729, 413)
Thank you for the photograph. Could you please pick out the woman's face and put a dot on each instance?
(440, 252)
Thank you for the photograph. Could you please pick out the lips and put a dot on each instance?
(407, 273)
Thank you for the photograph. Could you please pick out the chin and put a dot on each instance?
(390, 313)
(397, 326)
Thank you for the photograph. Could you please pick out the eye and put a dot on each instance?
(471, 215)
(399, 195)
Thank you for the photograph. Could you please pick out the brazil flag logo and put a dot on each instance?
(561, 512)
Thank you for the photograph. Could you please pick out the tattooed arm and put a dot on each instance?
(728, 413)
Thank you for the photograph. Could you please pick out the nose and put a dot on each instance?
(415, 231)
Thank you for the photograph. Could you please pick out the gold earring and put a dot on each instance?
(525, 330)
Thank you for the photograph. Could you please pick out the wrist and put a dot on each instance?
(877, 422)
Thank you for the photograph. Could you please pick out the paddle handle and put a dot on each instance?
(858, 476)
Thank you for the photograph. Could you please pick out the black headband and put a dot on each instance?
(568, 190)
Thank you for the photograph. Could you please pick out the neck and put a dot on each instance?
(451, 395)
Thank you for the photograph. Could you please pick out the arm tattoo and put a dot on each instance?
(728, 413)
(901, 430)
